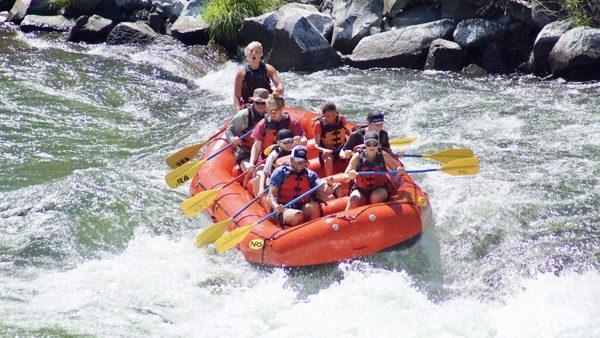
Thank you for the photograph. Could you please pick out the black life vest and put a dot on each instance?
(255, 78)
(253, 119)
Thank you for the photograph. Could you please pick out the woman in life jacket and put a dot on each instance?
(244, 121)
(285, 143)
(370, 189)
(265, 131)
(255, 74)
(290, 181)
(330, 132)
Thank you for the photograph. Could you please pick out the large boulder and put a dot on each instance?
(491, 58)
(413, 16)
(472, 33)
(392, 8)
(84, 7)
(189, 27)
(576, 55)
(54, 23)
(21, 8)
(444, 55)
(460, 9)
(356, 20)
(400, 47)
(6, 5)
(93, 29)
(544, 12)
(292, 37)
(191, 30)
(544, 43)
(131, 33)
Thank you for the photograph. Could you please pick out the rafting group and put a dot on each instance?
(285, 181)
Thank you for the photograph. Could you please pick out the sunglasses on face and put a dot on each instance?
(372, 144)
(287, 141)
(260, 103)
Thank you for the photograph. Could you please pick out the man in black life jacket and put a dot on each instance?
(256, 74)
(375, 124)
(290, 181)
(244, 121)
(370, 189)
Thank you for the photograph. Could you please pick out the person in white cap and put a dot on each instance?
(290, 181)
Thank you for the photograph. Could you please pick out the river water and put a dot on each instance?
(92, 241)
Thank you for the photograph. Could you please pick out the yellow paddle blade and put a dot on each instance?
(202, 200)
(268, 149)
(229, 240)
(184, 155)
(463, 166)
(178, 176)
(449, 155)
(402, 141)
(212, 233)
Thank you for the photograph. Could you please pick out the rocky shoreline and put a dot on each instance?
(472, 36)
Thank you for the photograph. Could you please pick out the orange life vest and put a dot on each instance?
(271, 129)
(294, 185)
(332, 136)
(370, 182)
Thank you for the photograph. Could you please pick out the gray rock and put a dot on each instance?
(404, 47)
(392, 8)
(491, 58)
(444, 55)
(298, 45)
(57, 23)
(544, 12)
(517, 43)
(191, 30)
(84, 6)
(21, 8)
(6, 5)
(92, 29)
(518, 10)
(414, 16)
(354, 22)
(460, 10)
(576, 55)
(473, 33)
(544, 43)
(473, 70)
(292, 38)
(131, 33)
(3, 17)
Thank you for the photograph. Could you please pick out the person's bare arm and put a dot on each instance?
(350, 172)
(255, 151)
(237, 89)
(274, 76)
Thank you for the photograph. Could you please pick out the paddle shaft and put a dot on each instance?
(250, 203)
(227, 146)
(393, 172)
(288, 204)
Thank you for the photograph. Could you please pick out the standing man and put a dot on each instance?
(256, 74)
(244, 121)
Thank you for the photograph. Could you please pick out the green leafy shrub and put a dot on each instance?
(583, 12)
(61, 3)
(225, 17)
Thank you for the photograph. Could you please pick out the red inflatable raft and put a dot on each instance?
(337, 236)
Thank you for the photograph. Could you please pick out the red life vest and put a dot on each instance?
(271, 129)
(294, 185)
(370, 182)
(332, 136)
(253, 119)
